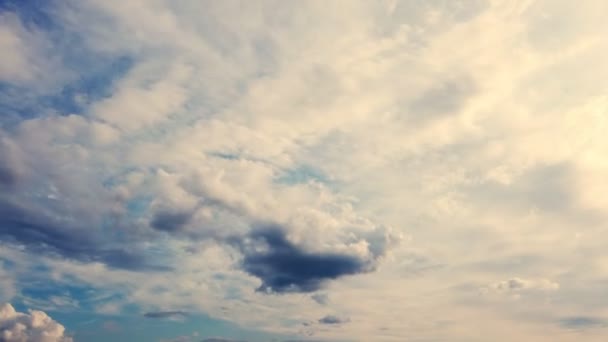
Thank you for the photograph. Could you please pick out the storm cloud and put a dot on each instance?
(284, 267)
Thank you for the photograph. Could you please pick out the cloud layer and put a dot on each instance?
(426, 169)
(34, 326)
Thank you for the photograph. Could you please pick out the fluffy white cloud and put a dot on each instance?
(34, 326)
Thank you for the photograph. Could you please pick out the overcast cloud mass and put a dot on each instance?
(303, 170)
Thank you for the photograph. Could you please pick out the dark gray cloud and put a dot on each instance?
(170, 221)
(331, 319)
(42, 232)
(166, 314)
(582, 322)
(220, 339)
(285, 267)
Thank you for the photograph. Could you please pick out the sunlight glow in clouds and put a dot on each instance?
(33, 327)
(344, 170)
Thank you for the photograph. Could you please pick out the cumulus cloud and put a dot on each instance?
(34, 326)
(284, 267)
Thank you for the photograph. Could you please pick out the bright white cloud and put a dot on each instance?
(34, 326)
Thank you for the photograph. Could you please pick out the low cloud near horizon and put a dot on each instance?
(34, 326)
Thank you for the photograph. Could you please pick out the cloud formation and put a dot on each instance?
(406, 155)
(515, 285)
(166, 314)
(332, 320)
(34, 326)
(285, 267)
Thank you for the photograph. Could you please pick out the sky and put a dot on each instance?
(272, 171)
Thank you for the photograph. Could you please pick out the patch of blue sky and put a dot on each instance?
(7, 264)
(301, 175)
(138, 206)
(107, 231)
(97, 83)
(67, 297)
(40, 268)
(119, 177)
(55, 297)
(87, 86)
(45, 291)
(87, 76)
(32, 13)
(139, 328)
(129, 324)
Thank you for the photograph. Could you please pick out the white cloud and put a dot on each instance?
(34, 326)
(16, 43)
(7, 284)
(29, 59)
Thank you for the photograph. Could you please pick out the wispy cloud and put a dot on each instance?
(166, 314)
(333, 320)
(582, 322)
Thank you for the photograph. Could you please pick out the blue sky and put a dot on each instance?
(256, 171)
